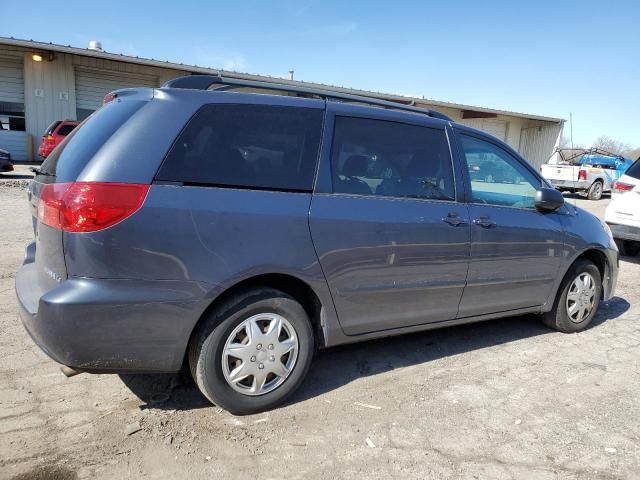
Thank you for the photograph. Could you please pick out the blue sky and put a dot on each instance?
(544, 57)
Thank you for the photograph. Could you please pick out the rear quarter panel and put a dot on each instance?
(213, 237)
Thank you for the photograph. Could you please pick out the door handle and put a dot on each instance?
(484, 222)
(454, 220)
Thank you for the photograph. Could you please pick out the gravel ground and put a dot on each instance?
(501, 399)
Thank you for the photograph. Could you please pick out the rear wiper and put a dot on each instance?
(37, 171)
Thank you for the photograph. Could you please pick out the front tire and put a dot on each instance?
(253, 351)
(595, 190)
(577, 300)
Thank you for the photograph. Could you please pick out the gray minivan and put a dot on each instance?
(237, 233)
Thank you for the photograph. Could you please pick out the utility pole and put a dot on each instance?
(571, 128)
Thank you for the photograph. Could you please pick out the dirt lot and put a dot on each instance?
(502, 399)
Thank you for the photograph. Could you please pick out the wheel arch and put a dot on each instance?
(593, 254)
(287, 283)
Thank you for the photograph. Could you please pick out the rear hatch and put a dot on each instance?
(625, 196)
(561, 173)
(57, 176)
(47, 140)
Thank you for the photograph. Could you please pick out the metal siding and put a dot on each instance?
(93, 84)
(11, 79)
(54, 79)
(12, 90)
(538, 143)
(15, 143)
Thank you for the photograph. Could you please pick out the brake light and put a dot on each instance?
(109, 97)
(620, 187)
(89, 206)
(582, 175)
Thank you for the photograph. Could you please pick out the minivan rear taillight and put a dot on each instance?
(89, 206)
(620, 187)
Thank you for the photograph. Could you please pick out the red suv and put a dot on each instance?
(54, 135)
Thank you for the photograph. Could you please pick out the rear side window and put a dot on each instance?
(70, 157)
(66, 129)
(52, 127)
(634, 170)
(250, 146)
(378, 157)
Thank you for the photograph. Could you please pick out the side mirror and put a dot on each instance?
(548, 199)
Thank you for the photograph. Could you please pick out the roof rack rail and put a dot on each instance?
(205, 82)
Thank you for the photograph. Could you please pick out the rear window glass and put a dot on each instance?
(634, 170)
(251, 146)
(66, 129)
(52, 127)
(70, 157)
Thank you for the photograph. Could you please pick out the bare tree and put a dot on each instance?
(612, 146)
(565, 144)
(633, 154)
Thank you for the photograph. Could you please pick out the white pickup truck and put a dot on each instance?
(592, 173)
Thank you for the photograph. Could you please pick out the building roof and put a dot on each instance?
(151, 62)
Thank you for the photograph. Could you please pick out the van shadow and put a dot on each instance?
(635, 259)
(338, 366)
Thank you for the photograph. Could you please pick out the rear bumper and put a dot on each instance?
(624, 232)
(570, 185)
(106, 325)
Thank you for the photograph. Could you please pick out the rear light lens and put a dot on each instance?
(89, 206)
(109, 97)
(582, 175)
(50, 140)
(620, 187)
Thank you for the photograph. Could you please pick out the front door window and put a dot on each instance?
(497, 178)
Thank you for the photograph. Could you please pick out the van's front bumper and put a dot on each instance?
(610, 280)
(111, 325)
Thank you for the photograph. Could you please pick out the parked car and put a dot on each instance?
(623, 212)
(593, 173)
(54, 134)
(491, 171)
(245, 231)
(6, 165)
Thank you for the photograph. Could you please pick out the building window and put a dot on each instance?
(12, 116)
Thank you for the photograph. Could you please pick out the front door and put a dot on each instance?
(516, 250)
(391, 238)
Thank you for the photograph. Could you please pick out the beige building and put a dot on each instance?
(44, 82)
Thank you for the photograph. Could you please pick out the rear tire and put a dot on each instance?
(595, 190)
(216, 371)
(628, 248)
(577, 300)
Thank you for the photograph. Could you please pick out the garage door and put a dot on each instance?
(497, 128)
(92, 85)
(12, 129)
